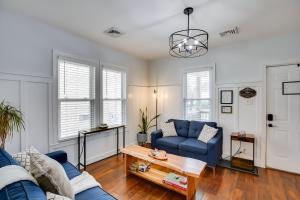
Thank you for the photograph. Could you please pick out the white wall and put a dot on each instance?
(237, 66)
(26, 78)
(26, 50)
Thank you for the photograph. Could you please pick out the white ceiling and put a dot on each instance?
(148, 23)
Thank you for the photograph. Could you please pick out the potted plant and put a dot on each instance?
(11, 119)
(144, 126)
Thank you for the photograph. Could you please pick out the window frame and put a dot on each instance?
(56, 58)
(124, 89)
(211, 70)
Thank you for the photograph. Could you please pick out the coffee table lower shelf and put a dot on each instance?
(157, 176)
(188, 167)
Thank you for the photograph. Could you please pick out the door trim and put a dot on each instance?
(264, 96)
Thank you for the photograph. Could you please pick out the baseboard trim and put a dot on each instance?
(105, 155)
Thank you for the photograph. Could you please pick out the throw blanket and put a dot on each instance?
(14, 173)
(83, 182)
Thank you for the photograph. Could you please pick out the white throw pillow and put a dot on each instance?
(51, 196)
(168, 129)
(50, 175)
(207, 133)
(32, 149)
(23, 158)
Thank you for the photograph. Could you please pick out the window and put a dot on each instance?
(114, 96)
(197, 95)
(76, 97)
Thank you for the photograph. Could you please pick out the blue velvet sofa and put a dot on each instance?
(27, 190)
(186, 143)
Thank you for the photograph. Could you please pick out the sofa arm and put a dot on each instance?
(59, 156)
(215, 148)
(154, 136)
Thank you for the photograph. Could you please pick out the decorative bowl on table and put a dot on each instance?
(158, 154)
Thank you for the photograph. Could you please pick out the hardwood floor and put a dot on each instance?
(227, 184)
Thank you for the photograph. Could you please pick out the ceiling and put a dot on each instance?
(148, 23)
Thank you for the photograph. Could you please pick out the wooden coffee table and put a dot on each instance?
(188, 167)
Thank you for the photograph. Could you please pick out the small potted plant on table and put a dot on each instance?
(11, 119)
(144, 126)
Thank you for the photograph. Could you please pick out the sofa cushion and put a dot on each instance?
(22, 189)
(71, 170)
(95, 193)
(194, 146)
(59, 156)
(6, 159)
(170, 141)
(50, 175)
(197, 126)
(182, 127)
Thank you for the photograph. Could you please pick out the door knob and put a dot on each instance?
(271, 125)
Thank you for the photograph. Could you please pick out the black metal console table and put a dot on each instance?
(84, 133)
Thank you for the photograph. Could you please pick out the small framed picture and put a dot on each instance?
(226, 109)
(226, 97)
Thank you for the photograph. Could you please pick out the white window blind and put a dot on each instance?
(76, 97)
(114, 98)
(197, 98)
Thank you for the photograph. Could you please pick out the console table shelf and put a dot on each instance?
(242, 163)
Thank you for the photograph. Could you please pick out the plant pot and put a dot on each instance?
(141, 138)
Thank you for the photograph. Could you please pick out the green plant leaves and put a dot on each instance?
(145, 123)
(11, 119)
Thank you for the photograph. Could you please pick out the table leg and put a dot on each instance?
(123, 138)
(191, 189)
(117, 141)
(230, 152)
(253, 167)
(84, 149)
(78, 151)
(128, 161)
(127, 164)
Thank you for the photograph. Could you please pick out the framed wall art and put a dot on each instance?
(226, 109)
(226, 97)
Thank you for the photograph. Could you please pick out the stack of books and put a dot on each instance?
(139, 166)
(176, 180)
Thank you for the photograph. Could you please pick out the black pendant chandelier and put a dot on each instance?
(189, 43)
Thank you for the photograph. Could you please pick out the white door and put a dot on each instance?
(283, 133)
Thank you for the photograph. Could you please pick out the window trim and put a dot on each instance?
(56, 106)
(53, 102)
(210, 68)
(123, 91)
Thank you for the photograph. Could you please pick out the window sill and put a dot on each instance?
(69, 138)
